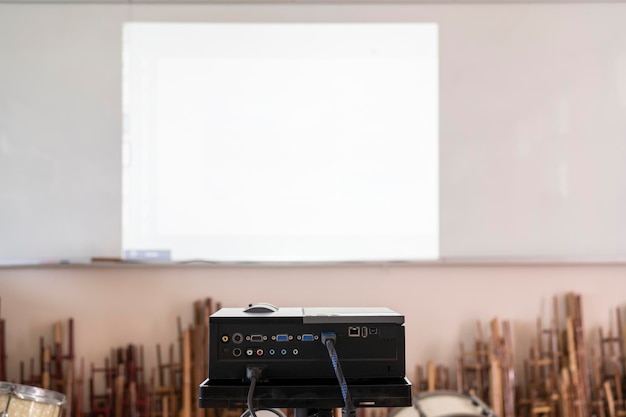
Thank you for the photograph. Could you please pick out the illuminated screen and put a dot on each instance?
(248, 142)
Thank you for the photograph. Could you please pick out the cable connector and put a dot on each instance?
(254, 372)
(329, 336)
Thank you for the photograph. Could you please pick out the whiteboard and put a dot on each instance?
(532, 126)
(281, 142)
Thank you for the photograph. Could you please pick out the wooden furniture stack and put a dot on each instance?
(125, 389)
(56, 368)
(542, 370)
(32, 378)
(434, 377)
(100, 405)
(172, 390)
(560, 379)
(473, 367)
(608, 372)
(501, 370)
(165, 381)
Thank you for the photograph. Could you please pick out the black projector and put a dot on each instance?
(287, 343)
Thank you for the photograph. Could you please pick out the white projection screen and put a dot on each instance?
(313, 142)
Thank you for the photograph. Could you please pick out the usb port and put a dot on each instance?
(354, 331)
(256, 338)
(282, 338)
(307, 338)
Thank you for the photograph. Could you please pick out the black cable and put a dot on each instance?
(329, 341)
(250, 394)
(254, 373)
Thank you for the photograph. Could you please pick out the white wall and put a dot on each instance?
(115, 306)
(532, 98)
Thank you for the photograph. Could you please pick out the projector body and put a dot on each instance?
(297, 370)
(287, 343)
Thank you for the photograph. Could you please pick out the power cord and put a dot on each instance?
(329, 339)
(254, 374)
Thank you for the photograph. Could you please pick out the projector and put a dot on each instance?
(287, 343)
(287, 347)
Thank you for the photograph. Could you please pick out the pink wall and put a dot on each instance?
(115, 306)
